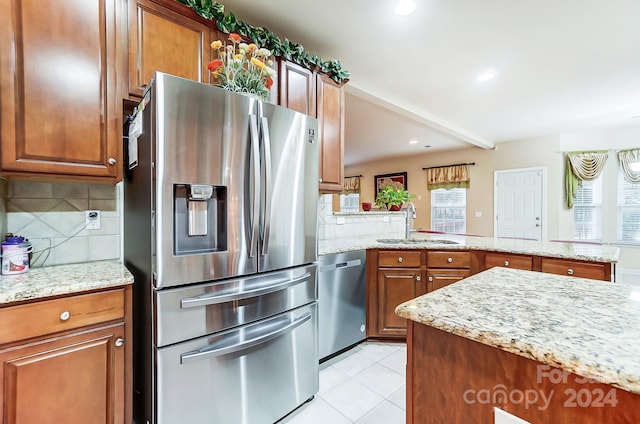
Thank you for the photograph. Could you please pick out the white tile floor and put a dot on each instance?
(365, 385)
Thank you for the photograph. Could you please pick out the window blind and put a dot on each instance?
(449, 210)
(628, 211)
(587, 210)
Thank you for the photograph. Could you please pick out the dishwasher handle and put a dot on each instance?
(259, 339)
(339, 265)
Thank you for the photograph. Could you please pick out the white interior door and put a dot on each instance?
(518, 203)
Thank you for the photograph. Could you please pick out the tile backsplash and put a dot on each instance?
(52, 217)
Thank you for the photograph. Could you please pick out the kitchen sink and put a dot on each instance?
(411, 241)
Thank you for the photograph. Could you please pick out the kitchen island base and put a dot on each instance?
(457, 380)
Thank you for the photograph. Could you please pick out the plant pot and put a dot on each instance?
(395, 208)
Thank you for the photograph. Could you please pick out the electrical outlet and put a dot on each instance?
(92, 220)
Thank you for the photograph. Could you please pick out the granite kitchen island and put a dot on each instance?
(546, 348)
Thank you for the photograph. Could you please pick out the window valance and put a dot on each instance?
(626, 158)
(582, 166)
(351, 185)
(448, 177)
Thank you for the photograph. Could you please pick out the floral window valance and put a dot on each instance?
(351, 185)
(448, 177)
(626, 158)
(582, 166)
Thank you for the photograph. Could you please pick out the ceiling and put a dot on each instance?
(559, 65)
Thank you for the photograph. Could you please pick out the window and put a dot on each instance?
(587, 211)
(449, 210)
(350, 202)
(628, 211)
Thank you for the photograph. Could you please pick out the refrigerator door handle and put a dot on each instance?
(209, 351)
(255, 170)
(213, 298)
(266, 142)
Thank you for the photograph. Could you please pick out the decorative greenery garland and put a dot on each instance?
(228, 23)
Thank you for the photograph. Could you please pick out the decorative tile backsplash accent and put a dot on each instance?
(336, 227)
(52, 217)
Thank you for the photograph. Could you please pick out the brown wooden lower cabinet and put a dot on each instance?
(78, 378)
(396, 286)
(451, 379)
(397, 275)
(68, 362)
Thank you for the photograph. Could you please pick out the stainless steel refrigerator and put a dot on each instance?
(220, 217)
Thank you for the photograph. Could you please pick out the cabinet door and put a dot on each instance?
(161, 39)
(438, 278)
(396, 286)
(297, 88)
(330, 101)
(59, 93)
(77, 378)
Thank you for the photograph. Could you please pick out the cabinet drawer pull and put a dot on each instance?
(430, 278)
(570, 271)
(112, 161)
(399, 259)
(119, 342)
(449, 260)
(418, 278)
(506, 263)
(65, 316)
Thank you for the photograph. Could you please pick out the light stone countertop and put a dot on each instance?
(62, 279)
(586, 252)
(588, 327)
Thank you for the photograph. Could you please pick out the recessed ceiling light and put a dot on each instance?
(413, 141)
(486, 77)
(405, 7)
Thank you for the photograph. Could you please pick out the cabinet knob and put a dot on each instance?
(399, 259)
(65, 316)
(506, 263)
(119, 342)
(430, 278)
(449, 260)
(570, 271)
(418, 278)
(319, 180)
(112, 161)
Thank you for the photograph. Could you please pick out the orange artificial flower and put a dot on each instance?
(214, 64)
(235, 37)
(269, 83)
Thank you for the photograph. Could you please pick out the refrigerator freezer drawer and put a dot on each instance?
(187, 313)
(252, 374)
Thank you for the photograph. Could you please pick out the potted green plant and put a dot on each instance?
(392, 198)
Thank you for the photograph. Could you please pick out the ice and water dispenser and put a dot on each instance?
(199, 212)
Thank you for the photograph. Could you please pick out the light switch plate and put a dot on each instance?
(92, 220)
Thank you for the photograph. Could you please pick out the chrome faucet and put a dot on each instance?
(411, 215)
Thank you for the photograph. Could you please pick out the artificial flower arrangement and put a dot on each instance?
(242, 67)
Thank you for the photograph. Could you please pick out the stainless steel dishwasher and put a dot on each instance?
(341, 301)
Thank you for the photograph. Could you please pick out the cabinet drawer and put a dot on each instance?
(574, 268)
(448, 259)
(52, 316)
(399, 259)
(508, 261)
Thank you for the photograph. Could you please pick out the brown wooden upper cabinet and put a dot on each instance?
(168, 37)
(319, 96)
(59, 89)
